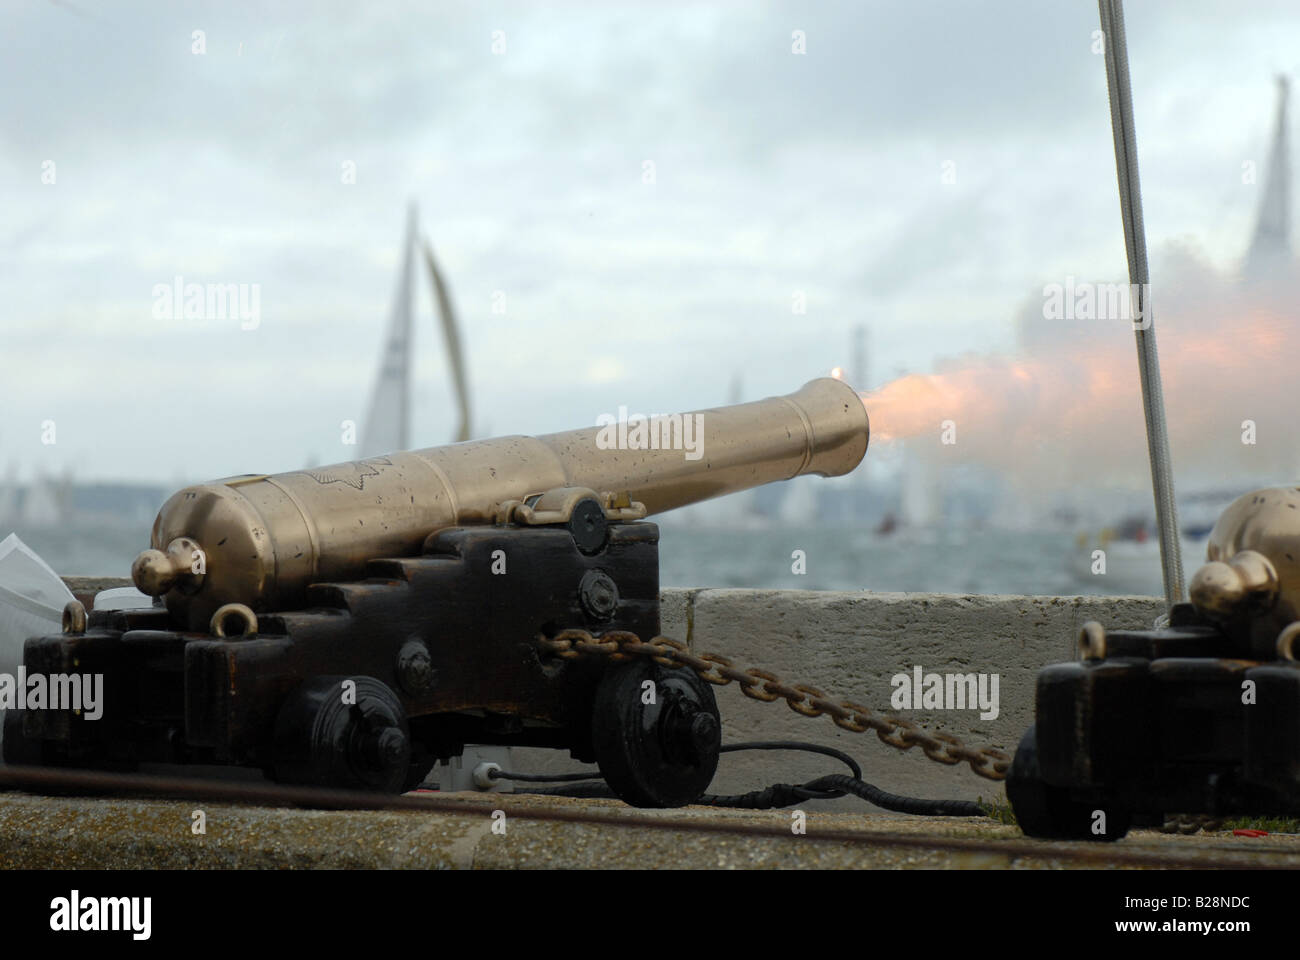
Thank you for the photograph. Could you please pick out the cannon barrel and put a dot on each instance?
(262, 540)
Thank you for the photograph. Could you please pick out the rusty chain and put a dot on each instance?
(902, 734)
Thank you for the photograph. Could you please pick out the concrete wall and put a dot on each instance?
(849, 645)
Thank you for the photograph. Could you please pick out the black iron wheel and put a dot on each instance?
(1050, 813)
(19, 749)
(656, 733)
(345, 732)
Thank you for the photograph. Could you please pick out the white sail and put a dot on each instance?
(922, 496)
(451, 337)
(41, 506)
(1271, 245)
(387, 425)
(800, 506)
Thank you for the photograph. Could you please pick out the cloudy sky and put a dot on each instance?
(775, 173)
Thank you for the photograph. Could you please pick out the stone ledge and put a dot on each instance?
(38, 832)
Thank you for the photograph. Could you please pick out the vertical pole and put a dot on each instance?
(1130, 199)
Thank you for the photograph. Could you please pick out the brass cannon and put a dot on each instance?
(351, 625)
(1198, 716)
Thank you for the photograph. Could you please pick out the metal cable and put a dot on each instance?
(778, 794)
(799, 745)
(1130, 199)
(542, 777)
(787, 794)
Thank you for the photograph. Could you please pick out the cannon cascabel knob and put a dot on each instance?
(1246, 582)
(1253, 573)
(154, 572)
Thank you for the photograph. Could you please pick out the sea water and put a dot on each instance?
(794, 557)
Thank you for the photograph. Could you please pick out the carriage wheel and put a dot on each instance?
(346, 732)
(656, 733)
(1048, 812)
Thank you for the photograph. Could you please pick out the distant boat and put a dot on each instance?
(800, 505)
(1132, 548)
(388, 421)
(1129, 564)
(1270, 246)
(42, 506)
(1199, 511)
(922, 502)
(9, 497)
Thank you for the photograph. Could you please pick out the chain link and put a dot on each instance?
(900, 733)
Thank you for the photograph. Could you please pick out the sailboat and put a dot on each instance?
(921, 503)
(9, 496)
(1131, 545)
(388, 420)
(1270, 247)
(44, 505)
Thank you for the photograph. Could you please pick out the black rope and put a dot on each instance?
(895, 802)
(589, 785)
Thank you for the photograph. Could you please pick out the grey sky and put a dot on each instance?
(774, 173)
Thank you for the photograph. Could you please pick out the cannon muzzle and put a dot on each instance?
(262, 540)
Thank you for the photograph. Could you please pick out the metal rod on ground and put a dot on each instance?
(1130, 198)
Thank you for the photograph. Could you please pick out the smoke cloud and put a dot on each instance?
(1066, 410)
